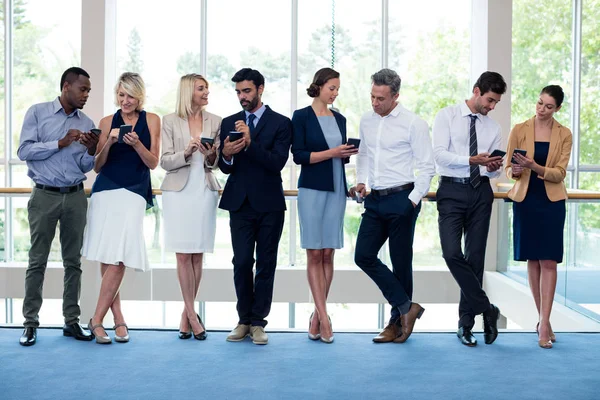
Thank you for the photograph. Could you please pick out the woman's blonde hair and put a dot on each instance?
(132, 84)
(185, 94)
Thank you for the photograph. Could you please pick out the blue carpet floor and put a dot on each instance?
(157, 365)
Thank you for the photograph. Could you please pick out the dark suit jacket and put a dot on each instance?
(308, 137)
(256, 171)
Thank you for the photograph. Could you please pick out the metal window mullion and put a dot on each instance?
(203, 37)
(8, 83)
(293, 106)
(575, 125)
(385, 8)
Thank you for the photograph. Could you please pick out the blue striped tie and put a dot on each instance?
(475, 177)
(251, 119)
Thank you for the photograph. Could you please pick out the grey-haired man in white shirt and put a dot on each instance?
(394, 142)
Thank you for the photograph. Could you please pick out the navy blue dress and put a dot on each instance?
(124, 168)
(538, 223)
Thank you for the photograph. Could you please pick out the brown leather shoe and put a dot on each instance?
(388, 334)
(408, 321)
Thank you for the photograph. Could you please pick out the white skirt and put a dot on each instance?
(190, 215)
(115, 229)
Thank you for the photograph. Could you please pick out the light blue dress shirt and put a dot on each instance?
(44, 125)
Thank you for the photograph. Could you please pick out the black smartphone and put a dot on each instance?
(354, 142)
(519, 151)
(123, 130)
(207, 140)
(96, 131)
(498, 153)
(233, 136)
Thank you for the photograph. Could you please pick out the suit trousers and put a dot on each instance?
(392, 217)
(45, 210)
(466, 210)
(250, 229)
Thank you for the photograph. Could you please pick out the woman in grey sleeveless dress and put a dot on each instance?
(319, 146)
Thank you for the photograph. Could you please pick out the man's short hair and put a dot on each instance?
(490, 82)
(249, 74)
(387, 77)
(71, 75)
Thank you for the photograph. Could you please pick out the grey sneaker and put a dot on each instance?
(258, 335)
(238, 333)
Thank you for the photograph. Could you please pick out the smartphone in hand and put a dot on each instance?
(518, 151)
(123, 130)
(498, 153)
(96, 131)
(234, 136)
(207, 141)
(354, 142)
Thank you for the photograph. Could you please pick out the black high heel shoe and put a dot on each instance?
(203, 334)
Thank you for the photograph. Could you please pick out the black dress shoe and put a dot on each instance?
(28, 337)
(75, 330)
(490, 324)
(466, 336)
(185, 335)
(202, 335)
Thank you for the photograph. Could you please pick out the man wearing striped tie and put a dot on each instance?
(463, 139)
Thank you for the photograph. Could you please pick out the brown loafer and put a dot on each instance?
(388, 334)
(408, 321)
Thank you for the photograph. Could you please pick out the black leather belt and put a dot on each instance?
(395, 189)
(65, 189)
(462, 181)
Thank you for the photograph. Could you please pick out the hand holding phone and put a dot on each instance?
(123, 130)
(235, 136)
(498, 153)
(518, 151)
(207, 142)
(354, 142)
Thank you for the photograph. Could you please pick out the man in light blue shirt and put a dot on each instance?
(59, 149)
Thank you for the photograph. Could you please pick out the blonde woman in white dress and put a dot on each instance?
(121, 194)
(190, 191)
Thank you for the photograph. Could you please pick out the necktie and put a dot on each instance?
(251, 119)
(475, 178)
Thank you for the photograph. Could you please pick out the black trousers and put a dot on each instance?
(251, 229)
(390, 217)
(465, 210)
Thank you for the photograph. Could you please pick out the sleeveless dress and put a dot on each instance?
(190, 215)
(120, 196)
(321, 213)
(538, 223)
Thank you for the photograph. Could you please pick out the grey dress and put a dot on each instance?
(321, 212)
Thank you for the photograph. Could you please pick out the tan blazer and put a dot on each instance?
(522, 136)
(175, 138)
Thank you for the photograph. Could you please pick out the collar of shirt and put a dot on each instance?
(466, 111)
(258, 113)
(57, 106)
(394, 113)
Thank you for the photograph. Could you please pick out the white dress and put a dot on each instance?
(190, 215)
(114, 231)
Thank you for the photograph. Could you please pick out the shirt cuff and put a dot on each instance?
(464, 160)
(228, 162)
(414, 197)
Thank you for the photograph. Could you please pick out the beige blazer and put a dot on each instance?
(522, 136)
(175, 138)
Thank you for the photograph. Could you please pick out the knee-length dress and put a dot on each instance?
(321, 213)
(538, 223)
(120, 196)
(190, 215)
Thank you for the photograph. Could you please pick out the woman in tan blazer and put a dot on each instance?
(539, 196)
(190, 139)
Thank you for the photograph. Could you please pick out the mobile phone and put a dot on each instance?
(354, 142)
(123, 130)
(498, 153)
(206, 140)
(519, 151)
(96, 131)
(233, 136)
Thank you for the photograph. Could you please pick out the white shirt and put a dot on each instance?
(451, 140)
(391, 147)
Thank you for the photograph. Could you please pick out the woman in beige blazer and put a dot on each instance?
(190, 191)
(539, 196)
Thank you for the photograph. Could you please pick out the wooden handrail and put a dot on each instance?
(574, 194)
